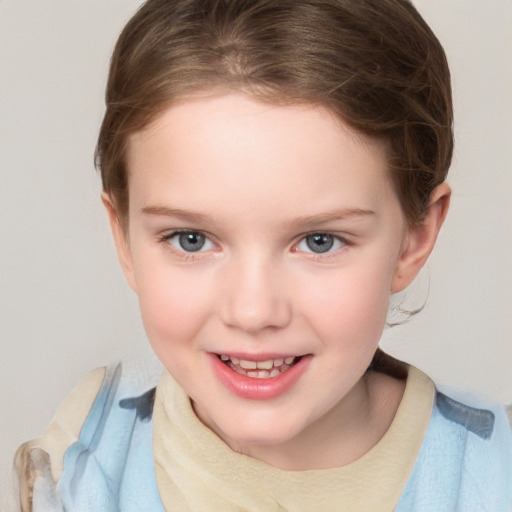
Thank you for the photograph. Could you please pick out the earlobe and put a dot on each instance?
(421, 239)
(121, 240)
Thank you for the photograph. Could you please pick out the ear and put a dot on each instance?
(121, 240)
(421, 238)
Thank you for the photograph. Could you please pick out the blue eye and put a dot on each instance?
(190, 241)
(320, 243)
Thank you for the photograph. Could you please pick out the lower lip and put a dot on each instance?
(258, 389)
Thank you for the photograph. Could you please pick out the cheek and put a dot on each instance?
(175, 304)
(348, 306)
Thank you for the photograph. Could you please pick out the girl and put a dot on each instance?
(273, 172)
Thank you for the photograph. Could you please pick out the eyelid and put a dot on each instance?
(180, 231)
(167, 237)
(329, 253)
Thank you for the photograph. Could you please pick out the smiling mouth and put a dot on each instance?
(260, 369)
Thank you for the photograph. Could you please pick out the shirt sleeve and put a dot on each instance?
(43, 458)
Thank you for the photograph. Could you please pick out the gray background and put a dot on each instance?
(64, 306)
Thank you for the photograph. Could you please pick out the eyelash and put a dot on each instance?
(328, 254)
(184, 255)
(194, 255)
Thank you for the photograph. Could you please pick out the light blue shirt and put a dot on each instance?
(464, 465)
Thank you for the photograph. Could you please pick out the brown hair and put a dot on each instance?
(374, 63)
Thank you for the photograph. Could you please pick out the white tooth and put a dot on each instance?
(224, 358)
(278, 362)
(265, 365)
(284, 368)
(252, 374)
(239, 370)
(263, 374)
(235, 360)
(289, 360)
(274, 373)
(248, 365)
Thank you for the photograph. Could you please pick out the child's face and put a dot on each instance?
(291, 247)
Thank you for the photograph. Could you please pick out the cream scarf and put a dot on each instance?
(197, 471)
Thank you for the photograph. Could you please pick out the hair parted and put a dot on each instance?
(374, 63)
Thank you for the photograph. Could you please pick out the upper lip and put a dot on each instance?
(261, 356)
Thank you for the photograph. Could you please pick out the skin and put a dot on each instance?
(256, 179)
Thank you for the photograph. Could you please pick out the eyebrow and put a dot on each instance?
(185, 215)
(311, 221)
(305, 222)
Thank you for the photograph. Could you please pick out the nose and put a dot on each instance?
(255, 296)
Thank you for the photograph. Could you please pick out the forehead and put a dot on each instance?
(197, 112)
(233, 146)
